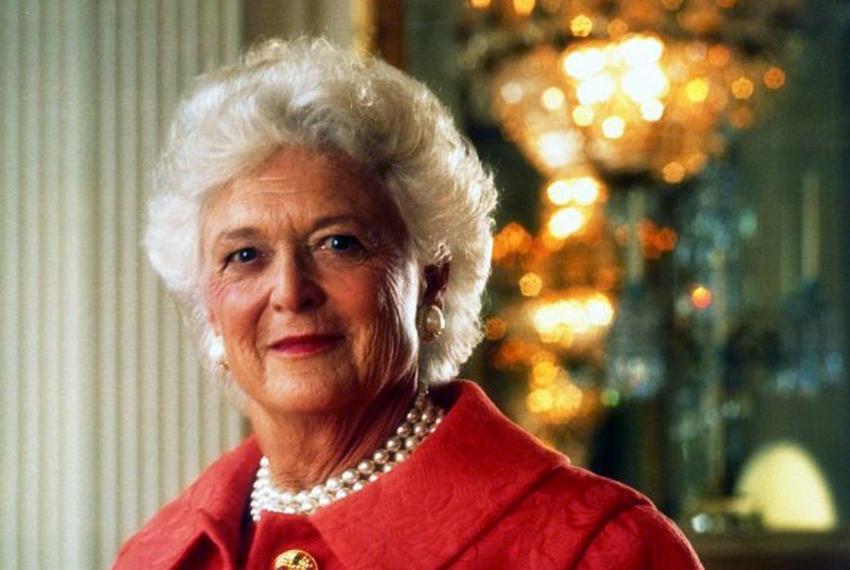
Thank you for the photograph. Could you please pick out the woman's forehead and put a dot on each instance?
(302, 185)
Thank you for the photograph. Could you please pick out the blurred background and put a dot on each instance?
(669, 300)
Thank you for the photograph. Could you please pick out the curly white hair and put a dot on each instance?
(312, 94)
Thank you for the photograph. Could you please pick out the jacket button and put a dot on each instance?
(295, 560)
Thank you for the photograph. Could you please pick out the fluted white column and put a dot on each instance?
(104, 413)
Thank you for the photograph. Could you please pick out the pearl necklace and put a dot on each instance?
(420, 421)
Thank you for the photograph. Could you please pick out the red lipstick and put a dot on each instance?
(302, 345)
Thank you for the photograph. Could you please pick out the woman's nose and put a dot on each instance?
(296, 288)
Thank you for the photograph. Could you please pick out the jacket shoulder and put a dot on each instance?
(573, 518)
(207, 504)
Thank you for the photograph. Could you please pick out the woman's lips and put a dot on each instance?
(305, 344)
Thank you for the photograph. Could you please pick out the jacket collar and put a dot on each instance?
(459, 481)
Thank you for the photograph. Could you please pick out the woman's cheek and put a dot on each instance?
(236, 304)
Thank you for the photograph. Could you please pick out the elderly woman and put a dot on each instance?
(327, 232)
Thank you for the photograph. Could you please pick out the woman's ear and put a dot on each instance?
(436, 278)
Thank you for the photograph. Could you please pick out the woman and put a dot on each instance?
(327, 232)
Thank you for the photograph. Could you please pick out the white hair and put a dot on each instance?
(311, 94)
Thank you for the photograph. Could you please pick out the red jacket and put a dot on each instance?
(478, 493)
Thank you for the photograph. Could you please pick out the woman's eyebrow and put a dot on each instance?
(244, 232)
(331, 220)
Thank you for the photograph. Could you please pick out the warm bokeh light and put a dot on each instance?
(789, 489)
(617, 28)
(742, 88)
(701, 297)
(512, 239)
(573, 314)
(774, 78)
(530, 284)
(581, 26)
(596, 89)
(583, 115)
(511, 92)
(584, 63)
(697, 90)
(556, 403)
(495, 328)
(553, 99)
(524, 7)
(613, 127)
(652, 110)
(480, 4)
(565, 222)
(583, 190)
(673, 172)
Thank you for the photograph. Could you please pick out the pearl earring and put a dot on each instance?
(431, 322)
(218, 354)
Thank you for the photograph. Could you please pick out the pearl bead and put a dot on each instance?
(421, 420)
(307, 505)
(381, 456)
(366, 467)
(412, 416)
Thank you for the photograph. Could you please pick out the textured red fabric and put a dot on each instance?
(479, 493)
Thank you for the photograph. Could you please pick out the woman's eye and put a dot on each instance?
(342, 243)
(244, 255)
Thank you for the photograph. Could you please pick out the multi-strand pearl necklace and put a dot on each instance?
(420, 421)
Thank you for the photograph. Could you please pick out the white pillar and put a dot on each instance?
(104, 413)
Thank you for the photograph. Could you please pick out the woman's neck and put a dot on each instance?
(305, 449)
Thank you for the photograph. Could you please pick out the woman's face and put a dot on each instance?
(309, 279)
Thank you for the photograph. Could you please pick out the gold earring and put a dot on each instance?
(431, 322)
